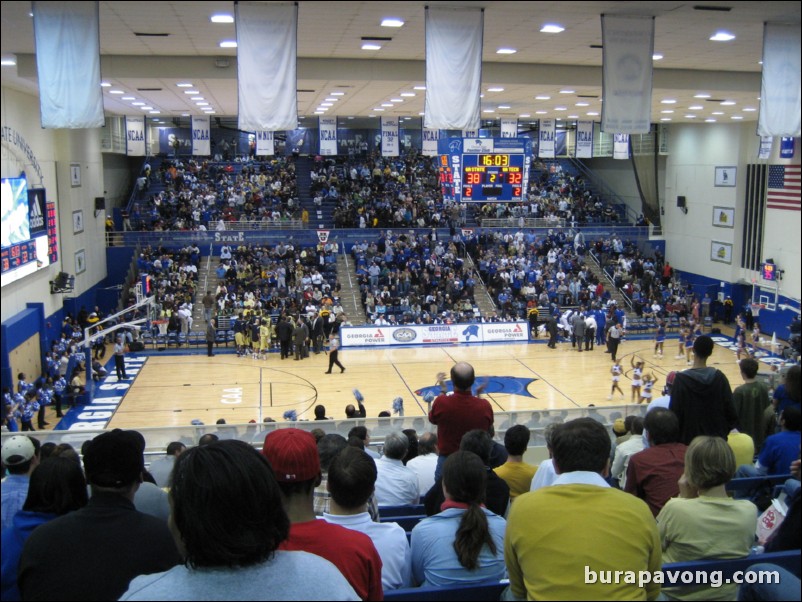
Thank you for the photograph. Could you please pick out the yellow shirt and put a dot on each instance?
(554, 533)
(518, 476)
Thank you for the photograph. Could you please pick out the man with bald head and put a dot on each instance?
(459, 412)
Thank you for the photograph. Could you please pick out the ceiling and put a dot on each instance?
(563, 67)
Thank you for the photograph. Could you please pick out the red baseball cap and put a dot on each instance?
(292, 454)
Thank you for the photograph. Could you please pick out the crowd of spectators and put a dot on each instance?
(193, 194)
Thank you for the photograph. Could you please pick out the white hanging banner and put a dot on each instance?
(390, 137)
(430, 139)
(470, 133)
(67, 36)
(545, 148)
(583, 149)
(509, 127)
(453, 67)
(265, 145)
(780, 94)
(628, 44)
(267, 49)
(328, 136)
(620, 146)
(201, 136)
(765, 147)
(135, 136)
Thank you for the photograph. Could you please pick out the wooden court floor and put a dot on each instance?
(172, 390)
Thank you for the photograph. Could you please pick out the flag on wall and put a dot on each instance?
(67, 38)
(783, 187)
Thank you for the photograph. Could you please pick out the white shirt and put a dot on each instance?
(396, 485)
(424, 467)
(391, 544)
(544, 476)
(623, 453)
(581, 477)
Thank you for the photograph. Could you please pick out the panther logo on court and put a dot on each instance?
(471, 331)
(508, 385)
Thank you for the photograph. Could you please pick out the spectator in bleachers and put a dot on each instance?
(396, 485)
(625, 451)
(545, 474)
(229, 523)
(477, 533)
(294, 458)
(57, 486)
(362, 433)
(162, 467)
(653, 474)
(20, 456)
(63, 558)
(351, 481)
(779, 450)
(425, 463)
(555, 532)
(751, 400)
(704, 522)
(515, 472)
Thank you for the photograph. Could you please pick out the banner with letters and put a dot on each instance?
(430, 138)
(265, 144)
(509, 127)
(470, 133)
(328, 136)
(787, 147)
(620, 146)
(201, 135)
(583, 149)
(390, 137)
(780, 92)
(546, 137)
(766, 143)
(433, 334)
(135, 136)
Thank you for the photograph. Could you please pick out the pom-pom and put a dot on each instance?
(291, 415)
(358, 396)
(398, 406)
(429, 397)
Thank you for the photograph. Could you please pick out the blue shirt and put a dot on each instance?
(434, 561)
(12, 497)
(779, 451)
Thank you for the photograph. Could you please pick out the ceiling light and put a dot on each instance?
(665, 119)
(524, 115)
(496, 89)
(421, 114)
(592, 113)
(128, 98)
(191, 91)
(737, 117)
(506, 51)
(222, 18)
(696, 108)
(701, 95)
(210, 112)
(146, 108)
(419, 87)
(552, 28)
(387, 104)
(105, 85)
(717, 113)
(197, 98)
(154, 112)
(408, 94)
(349, 117)
(318, 112)
(567, 91)
(481, 96)
(116, 92)
(392, 22)
(368, 46)
(396, 100)
(542, 97)
(657, 56)
(184, 85)
(378, 110)
(710, 120)
(202, 104)
(138, 104)
(323, 109)
(488, 111)
(504, 106)
(728, 103)
(690, 116)
(668, 101)
(667, 111)
(560, 108)
(228, 44)
(573, 117)
(722, 36)
(326, 104)
(583, 104)
(541, 112)
(338, 93)
(184, 114)
(331, 99)
(749, 109)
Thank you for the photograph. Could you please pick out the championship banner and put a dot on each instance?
(454, 39)
(430, 138)
(67, 36)
(628, 44)
(583, 147)
(267, 49)
(328, 136)
(390, 137)
(780, 102)
(265, 145)
(201, 136)
(135, 136)
(546, 137)
(786, 147)
(509, 128)
(765, 147)
(621, 146)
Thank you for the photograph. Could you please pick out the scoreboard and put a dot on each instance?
(485, 169)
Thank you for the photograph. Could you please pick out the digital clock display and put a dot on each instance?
(497, 177)
(769, 271)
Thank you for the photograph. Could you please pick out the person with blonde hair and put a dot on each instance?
(704, 522)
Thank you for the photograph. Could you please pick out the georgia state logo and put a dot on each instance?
(455, 146)
(404, 335)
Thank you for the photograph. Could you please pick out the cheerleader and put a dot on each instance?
(637, 378)
(688, 345)
(740, 341)
(659, 338)
(681, 343)
(755, 337)
(649, 381)
(616, 370)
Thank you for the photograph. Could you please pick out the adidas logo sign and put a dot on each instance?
(37, 220)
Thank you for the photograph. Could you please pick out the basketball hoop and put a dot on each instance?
(756, 307)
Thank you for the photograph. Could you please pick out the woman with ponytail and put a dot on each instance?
(476, 535)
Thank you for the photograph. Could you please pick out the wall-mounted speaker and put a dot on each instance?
(100, 203)
(681, 202)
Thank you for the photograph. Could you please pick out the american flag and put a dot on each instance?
(783, 190)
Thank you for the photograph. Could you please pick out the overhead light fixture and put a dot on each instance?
(326, 104)
(665, 119)
(128, 98)
(495, 89)
(154, 112)
(378, 110)
(722, 36)
(183, 85)
(506, 51)
(737, 117)
(8, 62)
(728, 103)
(191, 91)
(338, 93)
(138, 104)
(542, 97)
(392, 22)
(387, 104)
(583, 104)
(202, 104)
(421, 114)
(105, 85)
(573, 117)
(702, 95)
(116, 92)
(696, 108)
(524, 115)
(592, 114)
(222, 18)
(408, 94)
(560, 108)
(667, 111)
(419, 87)
(552, 28)
(749, 109)
(146, 108)
(690, 116)
(319, 113)
(567, 91)
(211, 112)
(504, 106)
(717, 113)
(710, 120)
(657, 56)
(184, 114)
(331, 99)
(488, 111)
(228, 44)
(197, 98)
(668, 101)
(396, 100)
(541, 112)
(370, 46)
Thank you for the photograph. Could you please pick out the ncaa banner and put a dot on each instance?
(781, 92)
(201, 135)
(628, 44)
(583, 147)
(620, 146)
(430, 139)
(328, 136)
(509, 128)
(546, 137)
(765, 147)
(265, 145)
(135, 136)
(786, 147)
(390, 137)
